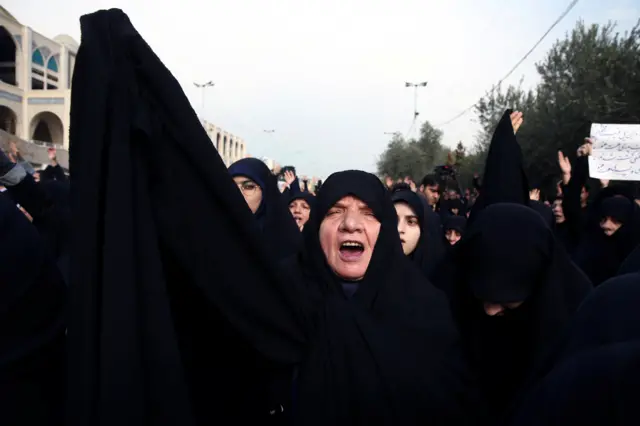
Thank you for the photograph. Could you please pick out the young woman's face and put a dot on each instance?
(452, 236)
(408, 227)
(300, 210)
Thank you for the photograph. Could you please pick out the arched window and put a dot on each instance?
(52, 64)
(37, 58)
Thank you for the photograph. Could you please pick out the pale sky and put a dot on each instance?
(328, 75)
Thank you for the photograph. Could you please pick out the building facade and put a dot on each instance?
(230, 147)
(35, 83)
(35, 95)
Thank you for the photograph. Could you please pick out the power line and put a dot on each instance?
(557, 21)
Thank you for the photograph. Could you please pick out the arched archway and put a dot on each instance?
(8, 120)
(47, 127)
(8, 50)
(218, 142)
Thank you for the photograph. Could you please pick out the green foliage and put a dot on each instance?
(592, 75)
(414, 158)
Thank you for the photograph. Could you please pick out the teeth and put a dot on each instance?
(351, 244)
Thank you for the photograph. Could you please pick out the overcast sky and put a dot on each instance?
(328, 75)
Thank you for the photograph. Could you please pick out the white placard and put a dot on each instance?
(616, 152)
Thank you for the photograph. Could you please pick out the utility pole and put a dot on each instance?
(203, 87)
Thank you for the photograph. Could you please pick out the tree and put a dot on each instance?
(592, 75)
(413, 158)
(459, 154)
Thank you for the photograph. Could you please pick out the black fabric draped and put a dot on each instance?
(173, 292)
(593, 388)
(510, 255)
(388, 354)
(274, 219)
(32, 325)
(596, 376)
(430, 249)
(631, 263)
(504, 179)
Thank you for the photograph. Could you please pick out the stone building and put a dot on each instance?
(230, 147)
(35, 82)
(35, 95)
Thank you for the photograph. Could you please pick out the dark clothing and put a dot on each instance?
(430, 250)
(509, 255)
(278, 228)
(179, 314)
(48, 203)
(595, 379)
(32, 325)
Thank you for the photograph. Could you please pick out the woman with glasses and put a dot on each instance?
(259, 188)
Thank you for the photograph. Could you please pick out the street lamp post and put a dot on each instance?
(203, 87)
(415, 96)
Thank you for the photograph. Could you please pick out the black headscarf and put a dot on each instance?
(457, 223)
(306, 196)
(508, 255)
(429, 251)
(32, 325)
(274, 219)
(387, 354)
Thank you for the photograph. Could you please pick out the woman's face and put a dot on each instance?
(348, 234)
(250, 190)
(300, 210)
(408, 227)
(610, 225)
(452, 236)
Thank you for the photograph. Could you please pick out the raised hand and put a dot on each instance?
(586, 149)
(516, 120)
(289, 177)
(564, 163)
(534, 195)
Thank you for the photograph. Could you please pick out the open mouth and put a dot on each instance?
(351, 250)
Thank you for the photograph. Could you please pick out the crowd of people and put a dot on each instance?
(163, 288)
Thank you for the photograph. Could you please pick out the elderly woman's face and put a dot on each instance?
(348, 234)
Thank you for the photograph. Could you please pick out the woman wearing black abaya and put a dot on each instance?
(517, 291)
(382, 344)
(596, 378)
(613, 232)
(421, 240)
(260, 190)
